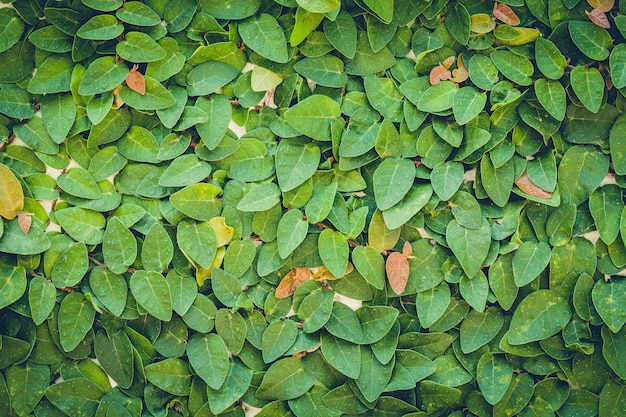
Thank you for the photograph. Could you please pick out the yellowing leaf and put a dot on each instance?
(481, 23)
(203, 273)
(526, 185)
(11, 194)
(292, 281)
(461, 73)
(223, 231)
(397, 268)
(448, 62)
(598, 17)
(505, 14)
(322, 273)
(603, 5)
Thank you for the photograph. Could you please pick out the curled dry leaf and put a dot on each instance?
(135, 81)
(505, 14)
(461, 73)
(526, 185)
(598, 17)
(292, 281)
(448, 61)
(439, 73)
(25, 220)
(397, 268)
(603, 5)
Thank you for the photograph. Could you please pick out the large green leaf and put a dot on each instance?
(392, 180)
(171, 375)
(12, 284)
(76, 397)
(264, 35)
(76, 317)
(609, 300)
(314, 116)
(540, 315)
(208, 357)
(470, 246)
(285, 379)
(152, 292)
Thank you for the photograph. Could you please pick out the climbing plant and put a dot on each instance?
(312, 208)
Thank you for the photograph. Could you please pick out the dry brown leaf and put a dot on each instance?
(117, 100)
(25, 220)
(292, 281)
(604, 5)
(526, 185)
(461, 73)
(136, 82)
(505, 14)
(397, 267)
(407, 249)
(598, 17)
(439, 73)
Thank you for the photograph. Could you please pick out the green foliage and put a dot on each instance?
(313, 208)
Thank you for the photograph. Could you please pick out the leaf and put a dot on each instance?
(325, 70)
(613, 345)
(493, 375)
(77, 397)
(198, 201)
(526, 185)
(70, 266)
(540, 315)
(208, 357)
(11, 194)
(264, 35)
(260, 197)
(370, 263)
(467, 104)
(616, 66)
(208, 77)
(110, 288)
(505, 14)
(26, 385)
(551, 95)
(79, 182)
(237, 383)
(580, 172)
(278, 337)
(103, 74)
(157, 250)
(41, 298)
(342, 33)
(529, 261)
(12, 284)
(171, 375)
(397, 268)
(318, 6)
(591, 39)
(514, 67)
(604, 5)
(431, 304)
(76, 317)
(152, 292)
(392, 180)
(334, 251)
(598, 18)
(480, 328)
(115, 354)
(292, 229)
(314, 116)
(284, 380)
(119, 246)
(291, 281)
(136, 82)
(470, 246)
(608, 299)
(550, 60)
(437, 98)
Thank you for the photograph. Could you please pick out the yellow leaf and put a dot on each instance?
(461, 73)
(11, 194)
(604, 5)
(508, 35)
(223, 232)
(481, 23)
(322, 273)
(202, 274)
(292, 281)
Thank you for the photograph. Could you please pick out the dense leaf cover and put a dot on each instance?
(189, 191)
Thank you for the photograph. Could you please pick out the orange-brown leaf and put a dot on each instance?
(292, 281)
(136, 82)
(526, 185)
(604, 5)
(24, 220)
(439, 73)
(407, 249)
(505, 14)
(598, 17)
(397, 268)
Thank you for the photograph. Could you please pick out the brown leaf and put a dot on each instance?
(407, 249)
(598, 17)
(136, 82)
(461, 73)
(24, 220)
(604, 5)
(292, 281)
(439, 73)
(505, 14)
(526, 185)
(397, 268)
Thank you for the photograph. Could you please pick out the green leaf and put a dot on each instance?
(614, 344)
(208, 77)
(237, 383)
(52, 76)
(551, 95)
(373, 376)
(110, 288)
(383, 9)
(264, 35)
(446, 178)
(16, 102)
(152, 292)
(318, 6)
(26, 384)
(70, 266)
(82, 224)
(480, 328)
(295, 163)
(342, 33)
(12, 284)
(292, 229)
(278, 337)
(609, 300)
(157, 250)
(13, 240)
(208, 357)
(370, 263)
(314, 116)
(493, 375)
(437, 98)
(580, 172)
(497, 181)
(12, 29)
(326, 70)
(103, 74)
(431, 304)
(550, 60)
(76, 397)
(198, 201)
(284, 380)
(139, 47)
(171, 375)
(538, 316)
(119, 246)
(392, 180)
(334, 251)
(115, 354)
(79, 182)
(475, 290)
(219, 110)
(588, 84)
(101, 27)
(41, 298)
(467, 104)
(470, 246)
(76, 317)
(592, 40)
(530, 259)
(138, 14)
(260, 197)
(156, 96)
(514, 67)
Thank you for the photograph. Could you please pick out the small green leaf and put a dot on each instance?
(77, 397)
(334, 251)
(392, 180)
(119, 246)
(529, 261)
(12, 284)
(493, 375)
(470, 246)
(171, 375)
(76, 317)
(208, 357)
(538, 316)
(609, 300)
